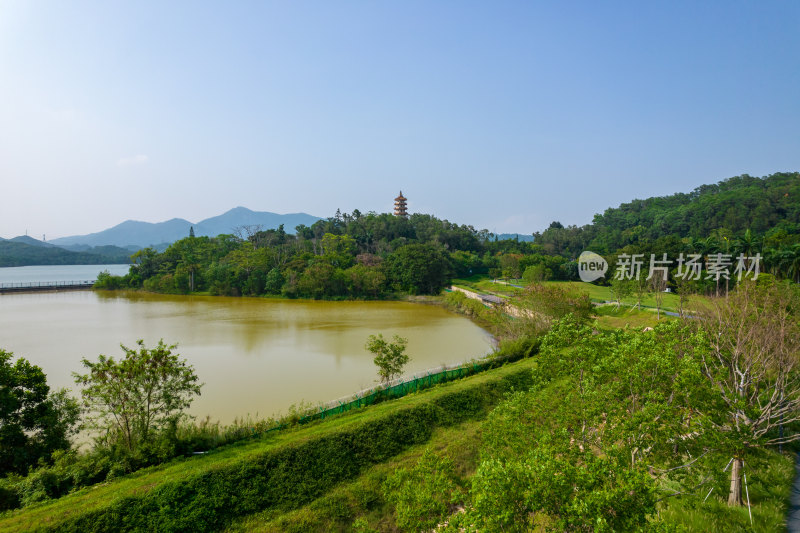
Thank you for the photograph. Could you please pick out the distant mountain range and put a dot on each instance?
(133, 234)
(115, 245)
(25, 239)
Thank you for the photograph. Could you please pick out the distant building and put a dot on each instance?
(400, 209)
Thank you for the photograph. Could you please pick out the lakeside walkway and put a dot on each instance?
(490, 300)
(37, 286)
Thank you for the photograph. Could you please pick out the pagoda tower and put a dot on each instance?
(400, 206)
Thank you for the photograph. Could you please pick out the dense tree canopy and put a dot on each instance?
(346, 256)
(419, 269)
(372, 255)
(743, 213)
(33, 421)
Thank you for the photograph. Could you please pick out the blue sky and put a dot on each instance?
(503, 115)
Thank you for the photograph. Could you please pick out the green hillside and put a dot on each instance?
(769, 207)
(14, 254)
(283, 470)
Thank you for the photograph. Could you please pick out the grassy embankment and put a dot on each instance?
(281, 471)
(361, 501)
(328, 475)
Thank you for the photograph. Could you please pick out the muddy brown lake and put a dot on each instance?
(255, 356)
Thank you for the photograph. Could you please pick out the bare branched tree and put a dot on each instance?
(246, 231)
(754, 363)
(658, 284)
(684, 290)
(641, 287)
(621, 289)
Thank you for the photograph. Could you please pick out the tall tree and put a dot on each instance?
(621, 289)
(390, 357)
(641, 288)
(754, 363)
(130, 399)
(658, 284)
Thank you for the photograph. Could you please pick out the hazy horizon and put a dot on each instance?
(503, 116)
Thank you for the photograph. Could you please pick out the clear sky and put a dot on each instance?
(504, 115)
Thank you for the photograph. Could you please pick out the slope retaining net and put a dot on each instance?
(402, 386)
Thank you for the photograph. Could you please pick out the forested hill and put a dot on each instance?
(17, 253)
(768, 207)
(346, 256)
(376, 255)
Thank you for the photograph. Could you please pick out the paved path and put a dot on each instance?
(490, 300)
(793, 518)
(487, 299)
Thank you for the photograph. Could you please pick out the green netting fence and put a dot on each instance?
(403, 386)
(374, 395)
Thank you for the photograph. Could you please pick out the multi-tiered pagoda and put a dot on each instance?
(400, 209)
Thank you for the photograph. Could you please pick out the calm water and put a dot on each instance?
(28, 274)
(255, 356)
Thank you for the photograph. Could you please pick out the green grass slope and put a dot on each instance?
(284, 470)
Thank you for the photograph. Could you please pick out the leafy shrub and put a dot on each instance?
(9, 495)
(526, 346)
(424, 495)
(106, 281)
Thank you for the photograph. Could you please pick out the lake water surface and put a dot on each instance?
(256, 356)
(44, 273)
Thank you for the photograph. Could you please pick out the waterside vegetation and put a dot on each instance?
(372, 256)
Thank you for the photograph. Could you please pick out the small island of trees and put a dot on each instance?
(347, 256)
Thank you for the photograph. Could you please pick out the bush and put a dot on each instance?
(537, 274)
(106, 281)
(9, 495)
(424, 495)
(72, 470)
(460, 303)
(520, 347)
